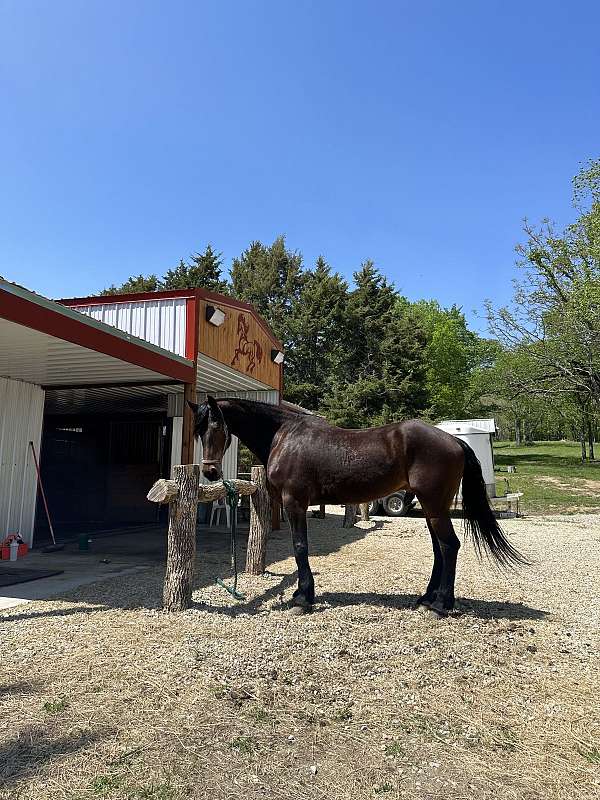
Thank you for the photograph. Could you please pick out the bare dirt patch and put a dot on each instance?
(104, 695)
(582, 486)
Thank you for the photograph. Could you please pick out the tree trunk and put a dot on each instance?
(590, 428)
(349, 516)
(364, 512)
(181, 539)
(582, 440)
(260, 524)
(518, 432)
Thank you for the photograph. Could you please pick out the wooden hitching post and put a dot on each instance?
(181, 539)
(260, 523)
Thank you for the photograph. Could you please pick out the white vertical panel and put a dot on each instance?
(21, 416)
(176, 436)
(161, 322)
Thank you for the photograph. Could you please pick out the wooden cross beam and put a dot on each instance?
(165, 490)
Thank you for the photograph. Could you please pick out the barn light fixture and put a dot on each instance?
(277, 356)
(215, 316)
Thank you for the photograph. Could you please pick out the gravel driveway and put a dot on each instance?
(104, 695)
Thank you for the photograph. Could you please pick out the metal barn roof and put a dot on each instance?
(468, 425)
(50, 345)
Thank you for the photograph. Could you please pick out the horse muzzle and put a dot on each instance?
(212, 470)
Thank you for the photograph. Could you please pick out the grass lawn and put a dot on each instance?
(550, 475)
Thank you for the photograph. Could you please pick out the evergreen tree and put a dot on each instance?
(270, 278)
(137, 283)
(382, 377)
(317, 334)
(204, 272)
(370, 311)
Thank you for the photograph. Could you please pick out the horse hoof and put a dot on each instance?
(437, 612)
(422, 604)
(298, 611)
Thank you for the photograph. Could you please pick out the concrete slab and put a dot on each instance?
(78, 570)
(108, 556)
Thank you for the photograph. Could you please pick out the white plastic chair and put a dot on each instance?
(218, 507)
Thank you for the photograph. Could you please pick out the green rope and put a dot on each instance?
(231, 498)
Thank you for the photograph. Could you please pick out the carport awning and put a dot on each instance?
(50, 345)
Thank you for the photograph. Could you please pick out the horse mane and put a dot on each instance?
(274, 411)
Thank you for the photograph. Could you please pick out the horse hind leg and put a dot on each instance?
(436, 572)
(440, 598)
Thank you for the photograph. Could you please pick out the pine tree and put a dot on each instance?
(317, 334)
(203, 272)
(134, 284)
(270, 278)
(382, 377)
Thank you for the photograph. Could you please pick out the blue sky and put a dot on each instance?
(416, 134)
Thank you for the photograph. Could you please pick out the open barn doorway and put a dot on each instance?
(97, 471)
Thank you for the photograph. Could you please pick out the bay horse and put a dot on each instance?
(310, 462)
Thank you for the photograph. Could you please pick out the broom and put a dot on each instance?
(52, 548)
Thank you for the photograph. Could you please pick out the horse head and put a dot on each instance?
(210, 427)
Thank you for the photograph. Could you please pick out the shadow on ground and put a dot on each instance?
(483, 609)
(26, 754)
(144, 589)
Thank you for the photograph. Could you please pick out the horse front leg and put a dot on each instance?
(304, 596)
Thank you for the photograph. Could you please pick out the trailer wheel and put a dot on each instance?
(374, 507)
(398, 504)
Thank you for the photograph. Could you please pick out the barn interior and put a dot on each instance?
(101, 409)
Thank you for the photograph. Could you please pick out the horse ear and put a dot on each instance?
(214, 407)
(193, 406)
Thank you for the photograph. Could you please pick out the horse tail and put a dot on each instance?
(259, 352)
(479, 520)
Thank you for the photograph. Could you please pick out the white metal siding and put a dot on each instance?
(161, 322)
(21, 416)
(481, 443)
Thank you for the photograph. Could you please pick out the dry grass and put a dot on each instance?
(105, 696)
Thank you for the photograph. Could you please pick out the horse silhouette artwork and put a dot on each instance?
(250, 350)
(309, 462)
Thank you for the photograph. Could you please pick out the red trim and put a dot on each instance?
(204, 294)
(57, 324)
(117, 298)
(191, 329)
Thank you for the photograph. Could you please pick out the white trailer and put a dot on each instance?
(477, 433)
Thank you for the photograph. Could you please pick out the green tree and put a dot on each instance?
(451, 356)
(316, 335)
(553, 326)
(203, 272)
(381, 375)
(270, 278)
(137, 283)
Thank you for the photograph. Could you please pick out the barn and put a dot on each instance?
(98, 386)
